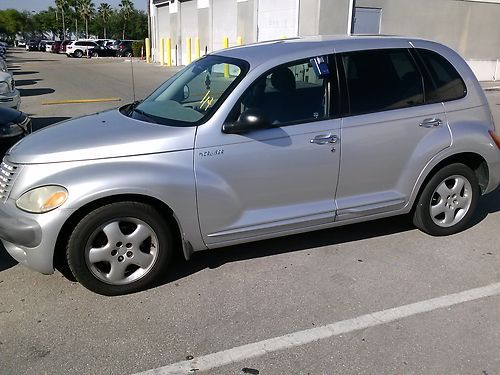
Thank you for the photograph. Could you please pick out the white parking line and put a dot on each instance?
(299, 338)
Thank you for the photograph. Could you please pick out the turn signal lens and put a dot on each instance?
(495, 137)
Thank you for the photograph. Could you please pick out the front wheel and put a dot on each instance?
(128, 54)
(78, 54)
(448, 201)
(94, 54)
(119, 248)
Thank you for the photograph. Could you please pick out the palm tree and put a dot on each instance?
(75, 4)
(62, 4)
(126, 10)
(104, 11)
(87, 10)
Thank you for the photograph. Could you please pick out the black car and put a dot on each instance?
(14, 125)
(124, 48)
(32, 45)
(101, 51)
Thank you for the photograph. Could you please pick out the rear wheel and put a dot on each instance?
(448, 201)
(119, 248)
(128, 54)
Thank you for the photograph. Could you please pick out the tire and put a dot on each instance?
(119, 248)
(128, 54)
(448, 201)
(94, 54)
(78, 53)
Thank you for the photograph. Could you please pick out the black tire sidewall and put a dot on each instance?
(422, 215)
(78, 54)
(75, 252)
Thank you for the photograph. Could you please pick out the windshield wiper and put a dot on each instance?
(147, 115)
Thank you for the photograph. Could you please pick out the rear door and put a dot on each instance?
(389, 131)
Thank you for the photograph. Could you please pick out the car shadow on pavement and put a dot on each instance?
(6, 261)
(355, 232)
(327, 237)
(27, 82)
(488, 204)
(26, 72)
(35, 92)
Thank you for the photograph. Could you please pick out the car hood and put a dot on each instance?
(107, 134)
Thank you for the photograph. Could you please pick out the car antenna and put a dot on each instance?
(133, 80)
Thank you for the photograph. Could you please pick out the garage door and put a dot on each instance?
(225, 14)
(277, 19)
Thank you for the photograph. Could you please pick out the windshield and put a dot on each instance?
(192, 95)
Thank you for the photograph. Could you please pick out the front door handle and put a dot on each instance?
(325, 139)
(431, 123)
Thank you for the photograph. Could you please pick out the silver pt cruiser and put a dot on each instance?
(250, 143)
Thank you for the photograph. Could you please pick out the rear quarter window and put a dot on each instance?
(442, 81)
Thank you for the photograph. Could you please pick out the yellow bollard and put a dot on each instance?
(188, 47)
(148, 50)
(169, 52)
(162, 51)
(198, 52)
(225, 44)
(239, 40)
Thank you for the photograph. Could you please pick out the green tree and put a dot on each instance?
(87, 10)
(126, 10)
(104, 11)
(61, 5)
(11, 22)
(75, 7)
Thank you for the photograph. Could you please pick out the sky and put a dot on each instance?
(37, 5)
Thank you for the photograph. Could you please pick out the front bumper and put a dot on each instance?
(10, 100)
(31, 238)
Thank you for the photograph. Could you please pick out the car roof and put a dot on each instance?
(287, 49)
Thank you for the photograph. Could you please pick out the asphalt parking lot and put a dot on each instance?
(336, 287)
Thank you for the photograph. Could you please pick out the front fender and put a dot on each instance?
(167, 177)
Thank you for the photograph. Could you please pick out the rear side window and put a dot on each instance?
(381, 80)
(442, 81)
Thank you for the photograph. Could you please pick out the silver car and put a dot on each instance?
(250, 143)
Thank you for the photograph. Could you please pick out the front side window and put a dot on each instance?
(289, 93)
(381, 80)
(443, 83)
(193, 94)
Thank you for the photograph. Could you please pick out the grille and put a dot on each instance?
(8, 174)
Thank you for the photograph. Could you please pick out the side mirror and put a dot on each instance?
(251, 119)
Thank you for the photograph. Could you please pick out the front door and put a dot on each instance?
(277, 180)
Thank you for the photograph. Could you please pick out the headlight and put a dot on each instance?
(42, 199)
(4, 88)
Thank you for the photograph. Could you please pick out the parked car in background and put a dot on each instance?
(14, 125)
(79, 48)
(9, 95)
(32, 45)
(100, 51)
(64, 44)
(3, 66)
(21, 43)
(56, 46)
(42, 44)
(48, 46)
(124, 48)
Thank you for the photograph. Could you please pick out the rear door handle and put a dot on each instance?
(324, 139)
(431, 123)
